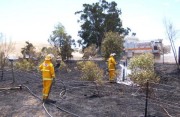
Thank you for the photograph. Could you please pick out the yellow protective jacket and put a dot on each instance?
(111, 63)
(47, 70)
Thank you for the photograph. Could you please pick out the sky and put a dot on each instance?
(34, 20)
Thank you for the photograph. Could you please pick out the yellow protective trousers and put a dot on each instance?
(48, 75)
(111, 68)
(47, 82)
(112, 75)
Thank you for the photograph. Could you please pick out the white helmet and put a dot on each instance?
(112, 54)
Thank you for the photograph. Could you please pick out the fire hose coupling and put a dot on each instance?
(20, 87)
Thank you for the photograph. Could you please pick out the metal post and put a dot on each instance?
(123, 71)
(2, 74)
(12, 71)
(146, 105)
(179, 56)
(123, 74)
(126, 66)
(163, 55)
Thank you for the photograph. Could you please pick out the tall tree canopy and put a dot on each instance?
(112, 43)
(62, 41)
(98, 18)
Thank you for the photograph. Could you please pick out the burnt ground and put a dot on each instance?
(84, 100)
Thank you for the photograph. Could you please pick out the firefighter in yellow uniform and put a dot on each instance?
(111, 67)
(48, 76)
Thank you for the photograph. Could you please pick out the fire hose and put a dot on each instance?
(12, 88)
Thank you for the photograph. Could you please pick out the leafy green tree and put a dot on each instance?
(112, 43)
(98, 18)
(49, 50)
(79, 42)
(58, 36)
(61, 40)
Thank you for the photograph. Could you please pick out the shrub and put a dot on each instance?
(90, 71)
(64, 67)
(142, 69)
(80, 65)
(2, 60)
(90, 51)
(25, 65)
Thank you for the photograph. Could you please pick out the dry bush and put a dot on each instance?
(166, 49)
(90, 71)
(80, 65)
(24, 64)
(142, 69)
(90, 51)
(64, 67)
(6, 47)
(2, 60)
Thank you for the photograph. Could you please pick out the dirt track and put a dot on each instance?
(81, 99)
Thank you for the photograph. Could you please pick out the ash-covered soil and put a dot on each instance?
(85, 99)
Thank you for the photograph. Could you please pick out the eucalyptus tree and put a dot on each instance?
(112, 43)
(62, 41)
(98, 18)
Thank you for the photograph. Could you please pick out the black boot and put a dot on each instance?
(46, 101)
(50, 101)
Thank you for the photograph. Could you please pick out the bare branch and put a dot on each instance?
(172, 35)
(6, 47)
